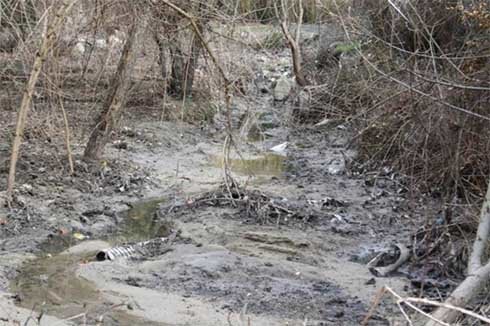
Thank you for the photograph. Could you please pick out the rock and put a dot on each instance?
(21, 200)
(26, 188)
(371, 281)
(282, 88)
(83, 219)
(119, 144)
(336, 167)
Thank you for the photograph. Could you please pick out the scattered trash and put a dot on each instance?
(280, 149)
(129, 250)
(335, 169)
(63, 231)
(328, 202)
(79, 236)
(327, 122)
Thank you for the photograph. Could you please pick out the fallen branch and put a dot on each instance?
(385, 270)
(448, 306)
(399, 301)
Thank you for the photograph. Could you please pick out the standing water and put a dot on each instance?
(50, 283)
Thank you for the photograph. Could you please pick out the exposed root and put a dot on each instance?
(253, 205)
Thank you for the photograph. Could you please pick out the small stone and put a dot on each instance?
(371, 281)
(282, 89)
(26, 188)
(120, 145)
(21, 200)
(339, 314)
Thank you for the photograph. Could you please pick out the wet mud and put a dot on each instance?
(223, 267)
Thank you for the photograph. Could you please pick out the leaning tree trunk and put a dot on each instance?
(478, 271)
(115, 101)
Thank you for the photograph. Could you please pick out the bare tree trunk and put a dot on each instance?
(191, 64)
(49, 37)
(293, 42)
(162, 56)
(67, 138)
(478, 271)
(182, 66)
(115, 101)
(181, 56)
(162, 61)
(177, 71)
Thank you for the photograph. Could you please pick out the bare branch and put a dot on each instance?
(49, 37)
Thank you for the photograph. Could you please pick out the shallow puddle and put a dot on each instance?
(141, 223)
(50, 282)
(267, 164)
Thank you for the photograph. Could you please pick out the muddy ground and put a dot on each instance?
(224, 265)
